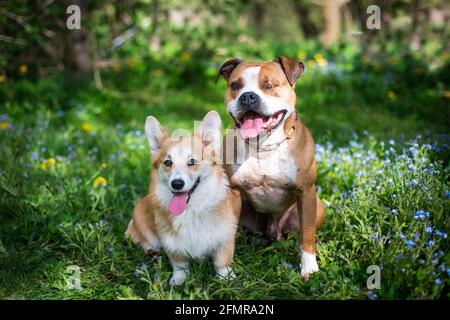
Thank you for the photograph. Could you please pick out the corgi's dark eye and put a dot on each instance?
(268, 85)
(235, 85)
(192, 162)
(168, 163)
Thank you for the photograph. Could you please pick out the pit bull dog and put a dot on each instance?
(269, 154)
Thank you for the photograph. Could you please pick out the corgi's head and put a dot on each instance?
(181, 163)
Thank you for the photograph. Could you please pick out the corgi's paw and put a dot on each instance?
(225, 273)
(154, 252)
(178, 277)
(308, 265)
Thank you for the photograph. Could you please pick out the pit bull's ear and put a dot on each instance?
(211, 129)
(227, 68)
(155, 134)
(292, 68)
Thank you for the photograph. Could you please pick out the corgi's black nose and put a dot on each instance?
(177, 184)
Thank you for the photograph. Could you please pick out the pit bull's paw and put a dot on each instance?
(225, 273)
(309, 265)
(178, 278)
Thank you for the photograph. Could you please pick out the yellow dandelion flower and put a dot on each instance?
(2, 78)
(86, 127)
(302, 55)
(445, 55)
(318, 56)
(391, 94)
(311, 63)
(185, 56)
(104, 166)
(50, 162)
(4, 125)
(23, 68)
(100, 182)
(446, 94)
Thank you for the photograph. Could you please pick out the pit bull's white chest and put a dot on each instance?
(268, 179)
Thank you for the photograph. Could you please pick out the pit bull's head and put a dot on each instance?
(260, 95)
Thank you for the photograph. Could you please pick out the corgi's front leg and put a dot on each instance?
(223, 259)
(180, 268)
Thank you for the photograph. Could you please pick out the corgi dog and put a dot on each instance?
(190, 211)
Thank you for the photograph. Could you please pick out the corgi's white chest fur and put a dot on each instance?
(199, 232)
(268, 178)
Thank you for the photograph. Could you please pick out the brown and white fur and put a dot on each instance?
(276, 173)
(207, 226)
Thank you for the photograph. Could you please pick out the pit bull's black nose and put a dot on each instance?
(249, 99)
(177, 184)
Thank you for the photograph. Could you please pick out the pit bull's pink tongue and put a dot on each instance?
(178, 203)
(251, 126)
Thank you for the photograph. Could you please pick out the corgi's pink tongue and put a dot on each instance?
(178, 203)
(251, 126)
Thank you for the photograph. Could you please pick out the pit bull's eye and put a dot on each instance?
(168, 163)
(235, 86)
(192, 162)
(268, 85)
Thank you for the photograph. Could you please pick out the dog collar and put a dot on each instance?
(194, 186)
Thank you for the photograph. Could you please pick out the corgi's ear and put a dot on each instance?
(211, 128)
(155, 134)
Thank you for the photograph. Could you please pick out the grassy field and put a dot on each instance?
(74, 160)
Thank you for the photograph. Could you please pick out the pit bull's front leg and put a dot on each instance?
(307, 210)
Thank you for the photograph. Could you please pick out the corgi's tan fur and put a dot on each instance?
(207, 227)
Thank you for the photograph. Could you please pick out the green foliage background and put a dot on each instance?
(376, 103)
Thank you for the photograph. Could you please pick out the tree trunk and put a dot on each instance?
(307, 26)
(332, 24)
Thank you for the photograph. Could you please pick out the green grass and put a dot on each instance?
(374, 174)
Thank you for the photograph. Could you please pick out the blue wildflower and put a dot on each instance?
(410, 243)
(428, 229)
(441, 234)
(421, 215)
(372, 295)
(447, 194)
(438, 281)
(143, 266)
(394, 211)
